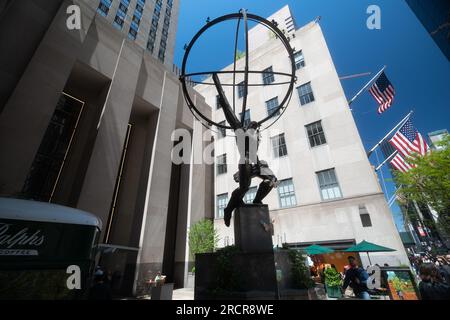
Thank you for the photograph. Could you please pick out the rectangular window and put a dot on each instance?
(250, 195)
(305, 93)
(241, 89)
(222, 201)
(315, 133)
(271, 106)
(279, 146)
(103, 7)
(365, 216)
(136, 20)
(246, 117)
(286, 193)
(268, 76)
(122, 9)
(118, 22)
(299, 60)
(132, 33)
(222, 131)
(52, 153)
(161, 54)
(217, 102)
(329, 186)
(222, 164)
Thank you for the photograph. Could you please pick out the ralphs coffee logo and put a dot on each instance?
(19, 241)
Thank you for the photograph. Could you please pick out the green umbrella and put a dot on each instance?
(316, 249)
(365, 246)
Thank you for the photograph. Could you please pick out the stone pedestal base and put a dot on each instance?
(251, 270)
(253, 229)
(235, 276)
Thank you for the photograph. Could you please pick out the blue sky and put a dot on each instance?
(418, 70)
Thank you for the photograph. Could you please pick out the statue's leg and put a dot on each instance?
(268, 182)
(263, 190)
(238, 194)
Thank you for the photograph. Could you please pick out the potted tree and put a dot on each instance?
(203, 238)
(333, 282)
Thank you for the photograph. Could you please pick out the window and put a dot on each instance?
(222, 131)
(299, 60)
(271, 106)
(305, 93)
(122, 9)
(365, 216)
(250, 195)
(286, 193)
(315, 133)
(118, 22)
(52, 152)
(241, 90)
(161, 54)
(222, 164)
(268, 76)
(279, 146)
(103, 7)
(217, 102)
(132, 33)
(222, 201)
(167, 21)
(329, 186)
(136, 20)
(246, 117)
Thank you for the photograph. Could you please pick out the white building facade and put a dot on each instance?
(328, 193)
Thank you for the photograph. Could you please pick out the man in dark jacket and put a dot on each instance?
(356, 277)
(429, 287)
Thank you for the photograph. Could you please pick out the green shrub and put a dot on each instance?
(300, 271)
(203, 237)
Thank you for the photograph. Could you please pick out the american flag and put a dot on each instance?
(399, 163)
(408, 140)
(383, 92)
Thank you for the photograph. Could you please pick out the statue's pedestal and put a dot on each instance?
(249, 270)
(253, 229)
(246, 272)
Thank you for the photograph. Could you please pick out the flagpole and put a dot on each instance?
(390, 132)
(388, 159)
(385, 191)
(366, 86)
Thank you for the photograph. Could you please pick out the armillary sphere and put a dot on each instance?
(288, 79)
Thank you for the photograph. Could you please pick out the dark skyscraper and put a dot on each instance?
(435, 17)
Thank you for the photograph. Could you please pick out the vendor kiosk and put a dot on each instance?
(47, 251)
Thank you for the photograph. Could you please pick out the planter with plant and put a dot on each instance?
(333, 282)
(300, 272)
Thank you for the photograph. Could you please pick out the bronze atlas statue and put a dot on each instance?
(247, 133)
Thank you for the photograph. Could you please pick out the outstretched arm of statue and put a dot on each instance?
(229, 114)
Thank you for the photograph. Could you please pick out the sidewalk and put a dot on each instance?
(183, 294)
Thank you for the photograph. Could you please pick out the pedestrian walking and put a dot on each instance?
(431, 288)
